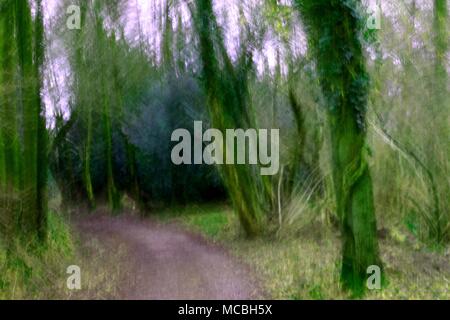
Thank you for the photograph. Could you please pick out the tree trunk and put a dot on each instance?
(435, 158)
(28, 82)
(105, 49)
(354, 196)
(334, 31)
(42, 135)
(9, 167)
(80, 69)
(87, 160)
(228, 108)
(113, 195)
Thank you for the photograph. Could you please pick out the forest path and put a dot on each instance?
(163, 261)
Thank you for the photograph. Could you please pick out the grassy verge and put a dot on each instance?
(29, 273)
(305, 265)
(40, 272)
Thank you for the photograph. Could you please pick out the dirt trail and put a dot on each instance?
(167, 262)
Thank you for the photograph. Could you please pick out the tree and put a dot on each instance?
(42, 133)
(93, 64)
(227, 100)
(9, 147)
(334, 30)
(27, 101)
(436, 159)
(80, 70)
(102, 42)
(24, 133)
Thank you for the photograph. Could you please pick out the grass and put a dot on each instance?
(40, 272)
(27, 272)
(306, 264)
(299, 265)
(210, 219)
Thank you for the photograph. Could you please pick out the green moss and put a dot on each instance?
(226, 88)
(334, 29)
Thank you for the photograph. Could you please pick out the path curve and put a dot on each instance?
(166, 262)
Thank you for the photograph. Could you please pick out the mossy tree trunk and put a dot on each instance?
(87, 160)
(441, 44)
(9, 148)
(435, 157)
(334, 30)
(42, 135)
(228, 107)
(24, 133)
(80, 69)
(27, 97)
(104, 48)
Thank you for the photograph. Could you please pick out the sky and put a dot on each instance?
(143, 17)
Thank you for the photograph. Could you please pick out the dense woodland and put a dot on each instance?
(86, 117)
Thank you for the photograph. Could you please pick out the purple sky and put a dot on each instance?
(143, 15)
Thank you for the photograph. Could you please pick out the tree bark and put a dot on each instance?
(28, 85)
(334, 30)
(42, 135)
(9, 167)
(228, 108)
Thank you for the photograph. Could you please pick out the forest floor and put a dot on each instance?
(200, 252)
(305, 264)
(164, 261)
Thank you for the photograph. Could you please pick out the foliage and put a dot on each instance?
(363, 118)
(28, 271)
(305, 264)
(23, 168)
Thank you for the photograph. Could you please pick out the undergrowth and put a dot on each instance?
(305, 263)
(33, 271)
